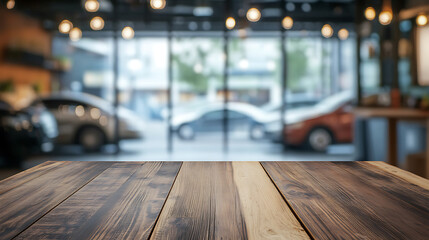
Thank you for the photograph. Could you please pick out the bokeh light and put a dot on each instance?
(97, 23)
(75, 34)
(230, 23)
(157, 4)
(343, 34)
(327, 31)
(370, 13)
(128, 32)
(92, 5)
(385, 17)
(421, 20)
(287, 22)
(253, 15)
(65, 26)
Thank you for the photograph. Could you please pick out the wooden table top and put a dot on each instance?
(214, 200)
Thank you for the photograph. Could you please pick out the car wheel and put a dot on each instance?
(91, 139)
(256, 132)
(319, 139)
(186, 132)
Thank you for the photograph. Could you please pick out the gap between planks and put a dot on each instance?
(288, 204)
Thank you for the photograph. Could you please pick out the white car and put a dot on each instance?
(210, 118)
(89, 121)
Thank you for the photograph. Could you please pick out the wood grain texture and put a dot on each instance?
(352, 201)
(400, 173)
(121, 203)
(27, 175)
(224, 200)
(23, 205)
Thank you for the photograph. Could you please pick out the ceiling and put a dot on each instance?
(193, 15)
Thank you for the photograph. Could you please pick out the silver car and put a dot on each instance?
(88, 120)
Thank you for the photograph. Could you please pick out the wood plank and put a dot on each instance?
(346, 201)
(405, 175)
(121, 203)
(225, 200)
(27, 175)
(22, 206)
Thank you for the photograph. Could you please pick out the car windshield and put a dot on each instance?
(333, 102)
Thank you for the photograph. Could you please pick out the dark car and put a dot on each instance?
(30, 130)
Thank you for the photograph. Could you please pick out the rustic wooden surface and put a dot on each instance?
(26, 203)
(214, 200)
(28, 175)
(351, 200)
(121, 203)
(224, 200)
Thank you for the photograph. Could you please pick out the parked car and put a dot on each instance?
(294, 101)
(209, 118)
(329, 121)
(30, 130)
(89, 121)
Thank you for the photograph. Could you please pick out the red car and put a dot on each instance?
(329, 121)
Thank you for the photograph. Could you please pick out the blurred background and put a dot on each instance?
(209, 79)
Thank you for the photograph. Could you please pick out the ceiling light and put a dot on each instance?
(92, 5)
(128, 32)
(65, 26)
(10, 4)
(253, 15)
(230, 23)
(75, 34)
(421, 20)
(287, 22)
(97, 23)
(343, 34)
(370, 13)
(327, 31)
(385, 17)
(157, 4)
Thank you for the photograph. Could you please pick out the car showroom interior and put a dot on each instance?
(124, 114)
(213, 80)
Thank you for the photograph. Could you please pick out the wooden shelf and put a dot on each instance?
(398, 113)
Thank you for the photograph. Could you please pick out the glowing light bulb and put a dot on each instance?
(128, 32)
(343, 34)
(385, 17)
(253, 15)
(157, 4)
(287, 22)
(421, 20)
(75, 34)
(10, 4)
(92, 5)
(65, 26)
(97, 23)
(327, 31)
(230, 23)
(370, 13)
